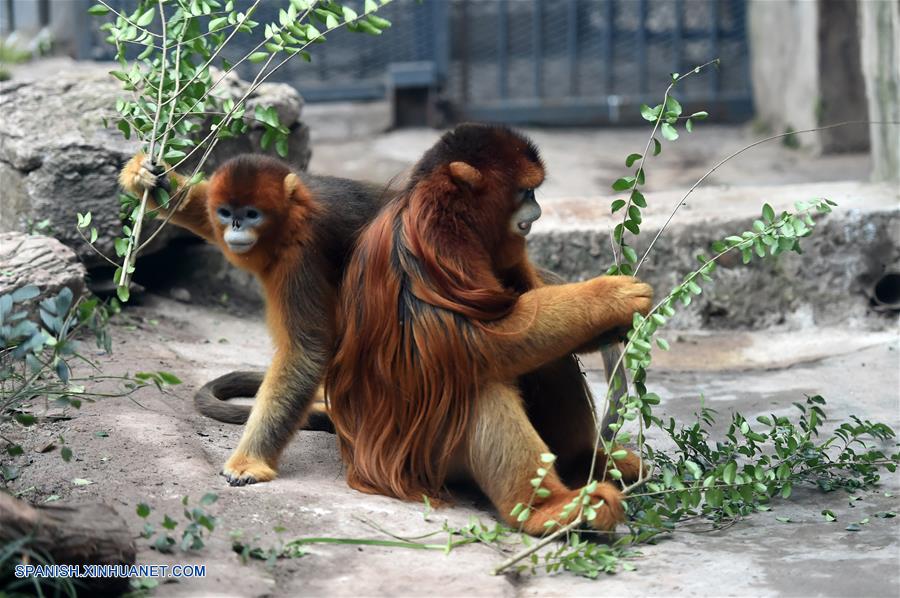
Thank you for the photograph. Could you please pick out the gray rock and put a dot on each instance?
(56, 158)
(40, 261)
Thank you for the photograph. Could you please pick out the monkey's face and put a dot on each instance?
(241, 226)
(527, 211)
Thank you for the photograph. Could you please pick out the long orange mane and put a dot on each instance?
(409, 362)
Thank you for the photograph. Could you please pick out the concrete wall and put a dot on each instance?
(880, 33)
(784, 63)
(806, 70)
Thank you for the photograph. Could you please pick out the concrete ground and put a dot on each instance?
(348, 140)
(157, 449)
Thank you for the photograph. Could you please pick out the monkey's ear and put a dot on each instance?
(464, 173)
(294, 187)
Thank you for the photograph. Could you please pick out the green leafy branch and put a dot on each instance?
(173, 92)
(664, 117)
(37, 351)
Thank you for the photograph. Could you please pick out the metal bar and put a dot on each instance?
(641, 34)
(609, 46)
(462, 43)
(10, 17)
(537, 47)
(441, 23)
(714, 46)
(503, 47)
(572, 46)
(677, 37)
(44, 12)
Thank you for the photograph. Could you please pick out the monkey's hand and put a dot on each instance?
(141, 174)
(620, 297)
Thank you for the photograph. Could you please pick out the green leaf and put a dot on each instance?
(650, 114)
(548, 458)
(783, 519)
(689, 125)
(729, 473)
(829, 515)
(624, 183)
(258, 56)
(618, 205)
(631, 159)
(123, 293)
(657, 147)
(168, 378)
(768, 213)
(281, 146)
(98, 10)
(143, 510)
(629, 254)
(82, 482)
(663, 344)
(669, 132)
(700, 115)
(672, 106)
(637, 198)
(25, 419)
(146, 18)
(632, 226)
(208, 499)
(217, 23)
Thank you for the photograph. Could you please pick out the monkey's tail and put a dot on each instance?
(211, 401)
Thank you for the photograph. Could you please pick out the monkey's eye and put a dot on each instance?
(526, 195)
(252, 214)
(224, 212)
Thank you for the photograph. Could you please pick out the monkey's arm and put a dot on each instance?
(191, 214)
(549, 278)
(551, 321)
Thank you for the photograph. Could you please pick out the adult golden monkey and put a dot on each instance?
(454, 358)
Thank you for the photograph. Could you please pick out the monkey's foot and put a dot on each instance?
(629, 465)
(241, 470)
(606, 500)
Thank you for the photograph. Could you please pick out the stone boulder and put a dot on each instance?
(41, 261)
(56, 157)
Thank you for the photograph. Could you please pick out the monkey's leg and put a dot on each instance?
(212, 401)
(560, 406)
(503, 451)
(281, 406)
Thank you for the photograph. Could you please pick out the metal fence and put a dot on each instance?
(539, 61)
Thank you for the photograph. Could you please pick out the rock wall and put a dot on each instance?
(40, 261)
(826, 285)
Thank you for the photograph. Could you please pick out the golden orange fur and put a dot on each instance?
(441, 314)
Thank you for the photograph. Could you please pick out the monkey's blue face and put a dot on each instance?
(526, 213)
(240, 226)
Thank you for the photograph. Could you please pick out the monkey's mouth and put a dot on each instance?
(240, 247)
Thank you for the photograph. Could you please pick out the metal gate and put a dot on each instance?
(534, 61)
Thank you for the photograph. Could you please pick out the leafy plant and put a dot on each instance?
(37, 353)
(174, 107)
(198, 525)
